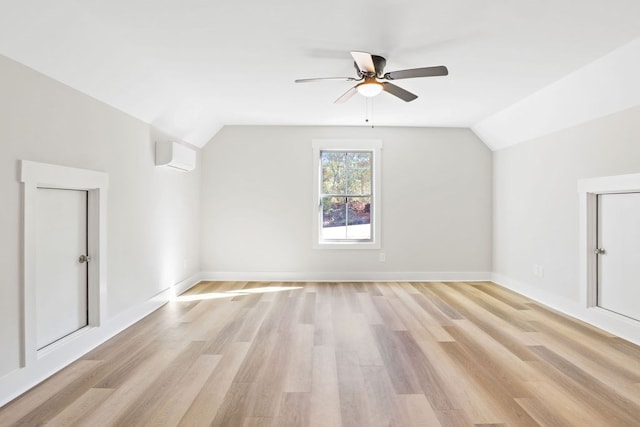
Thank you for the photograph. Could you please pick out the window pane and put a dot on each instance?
(359, 218)
(333, 172)
(359, 181)
(346, 195)
(334, 218)
(356, 159)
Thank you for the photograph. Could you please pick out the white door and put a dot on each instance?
(61, 279)
(619, 257)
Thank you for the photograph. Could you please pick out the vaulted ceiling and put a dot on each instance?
(190, 67)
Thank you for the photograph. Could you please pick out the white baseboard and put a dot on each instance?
(613, 323)
(178, 288)
(347, 276)
(20, 380)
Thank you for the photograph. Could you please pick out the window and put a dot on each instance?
(346, 188)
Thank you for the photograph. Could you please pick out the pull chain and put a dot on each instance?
(368, 107)
(366, 110)
(372, 116)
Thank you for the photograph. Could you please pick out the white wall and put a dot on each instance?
(257, 205)
(153, 213)
(536, 202)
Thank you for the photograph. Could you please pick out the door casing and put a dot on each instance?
(32, 176)
(588, 190)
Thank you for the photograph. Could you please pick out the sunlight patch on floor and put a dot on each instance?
(234, 293)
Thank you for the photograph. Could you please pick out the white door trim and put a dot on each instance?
(588, 190)
(34, 175)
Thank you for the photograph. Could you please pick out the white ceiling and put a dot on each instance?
(190, 67)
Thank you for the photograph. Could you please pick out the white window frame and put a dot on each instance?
(375, 147)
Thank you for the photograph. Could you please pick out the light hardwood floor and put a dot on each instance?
(346, 354)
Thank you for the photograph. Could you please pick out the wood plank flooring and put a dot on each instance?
(345, 354)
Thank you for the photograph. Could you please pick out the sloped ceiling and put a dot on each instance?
(605, 86)
(190, 67)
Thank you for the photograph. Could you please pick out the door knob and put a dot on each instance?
(84, 258)
(599, 251)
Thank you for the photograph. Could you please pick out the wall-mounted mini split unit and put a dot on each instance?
(176, 156)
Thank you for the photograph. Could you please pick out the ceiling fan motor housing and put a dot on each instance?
(379, 63)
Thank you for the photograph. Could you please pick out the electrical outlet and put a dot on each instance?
(382, 257)
(538, 270)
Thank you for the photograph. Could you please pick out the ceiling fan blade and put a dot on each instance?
(417, 72)
(364, 62)
(405, 95)
(346, 96)
(321, 79)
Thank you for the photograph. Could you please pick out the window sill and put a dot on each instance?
(347, 245)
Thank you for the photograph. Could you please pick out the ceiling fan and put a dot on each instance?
(373, 79)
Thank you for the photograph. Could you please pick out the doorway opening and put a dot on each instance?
(618, 253)
(62, 270)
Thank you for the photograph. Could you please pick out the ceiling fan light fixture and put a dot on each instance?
(369, 88)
